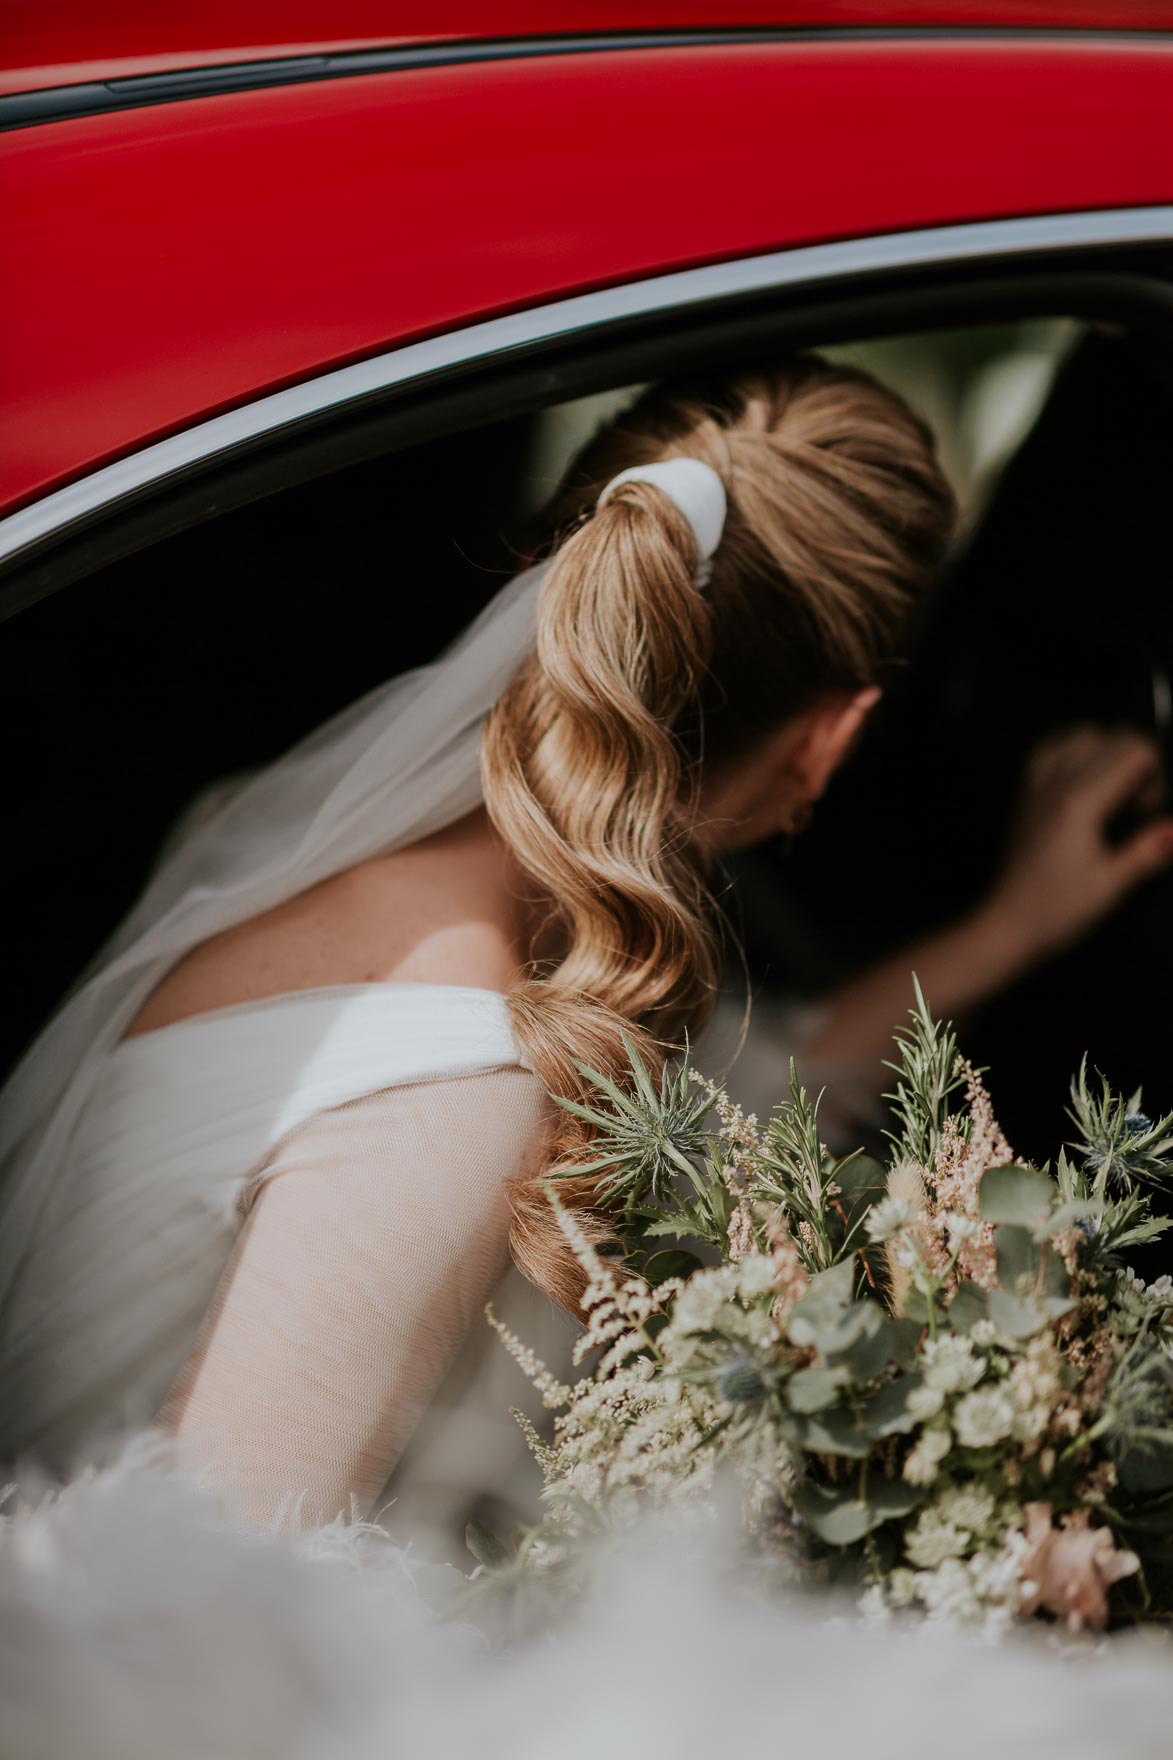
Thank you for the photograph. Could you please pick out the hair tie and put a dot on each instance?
(696, 489)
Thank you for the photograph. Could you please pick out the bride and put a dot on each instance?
(262, 1170)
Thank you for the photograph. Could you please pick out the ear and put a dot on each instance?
(829, 730)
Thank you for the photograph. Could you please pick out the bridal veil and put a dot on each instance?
(396, 766)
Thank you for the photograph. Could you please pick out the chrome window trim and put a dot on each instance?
(674, 292)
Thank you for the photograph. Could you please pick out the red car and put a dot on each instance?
(289, 287)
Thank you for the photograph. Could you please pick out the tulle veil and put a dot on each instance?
(397, 765)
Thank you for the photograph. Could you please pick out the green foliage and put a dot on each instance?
(866, 1347)
(1118, 1143)
(841, 1518)
(1139, 1415)
(485, 1546)
(645, 1137)
(1017, 1195)
(927, 1077)
(796, 1169)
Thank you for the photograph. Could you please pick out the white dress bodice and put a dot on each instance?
(178, 1135)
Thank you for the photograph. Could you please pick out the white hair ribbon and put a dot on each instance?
(696, 489)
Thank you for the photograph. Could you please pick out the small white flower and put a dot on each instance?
(983, 1418)
(756, 1276)
(890, 1217)
(901, 1587)
(961, 1228)
(921, 1466)
(948, 1593)
(1136, 1296)
(925, 1402)
(966, 1507)
(702, 1297)
(950, 1365)
(983, 1333)
(932, 1541)
(873, 1607)
(904, 1253)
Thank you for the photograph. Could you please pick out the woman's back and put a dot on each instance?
(447, 910)
(347, 1057)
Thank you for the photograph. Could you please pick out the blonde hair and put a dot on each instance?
(837, 517)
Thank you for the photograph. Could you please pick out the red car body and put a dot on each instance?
(204, 204)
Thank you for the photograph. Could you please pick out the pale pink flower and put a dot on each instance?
(1070, 1569)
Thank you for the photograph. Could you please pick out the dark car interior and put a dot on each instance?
(1056, 612)
(211, 651)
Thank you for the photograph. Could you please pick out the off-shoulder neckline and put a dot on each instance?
(284, 999)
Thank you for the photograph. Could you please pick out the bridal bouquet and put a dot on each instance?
(938, 1378)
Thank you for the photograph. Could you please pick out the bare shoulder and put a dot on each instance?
(444, 911)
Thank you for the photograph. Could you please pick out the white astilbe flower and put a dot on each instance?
(554, 1392)
(713, 1380)
(630, 1431)
(703, 1296)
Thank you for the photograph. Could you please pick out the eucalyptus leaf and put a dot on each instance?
(1015, 1317)
(812, 1390)
(917, 1306)
(836, 1431)
(845, 1520)
(485, 1546)
(862, 1183)
(869, 1351)
(886, 1413)
(892, 1498)
(839, 1523)
(859, 1175)
(671, 1262)
(906, 1335)
(968, 1306)
(1148, 1469)
(820, 1307)
(1067, 1215)
(1018, 1257)
(1028, 1267)
(1016, 1194)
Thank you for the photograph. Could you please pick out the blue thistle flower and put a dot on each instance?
(741, 1382)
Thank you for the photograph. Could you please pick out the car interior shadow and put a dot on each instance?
(1058, 611)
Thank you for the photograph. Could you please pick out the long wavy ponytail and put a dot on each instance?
(837, 515)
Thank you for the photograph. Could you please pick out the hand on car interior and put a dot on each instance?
(1063, 874)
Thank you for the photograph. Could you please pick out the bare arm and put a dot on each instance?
(1061, 877)
(377, 1232)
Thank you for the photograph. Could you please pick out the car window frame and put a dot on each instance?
(1107, 263)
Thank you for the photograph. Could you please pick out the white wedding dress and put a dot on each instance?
(273, 1223)
(281, 1220)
